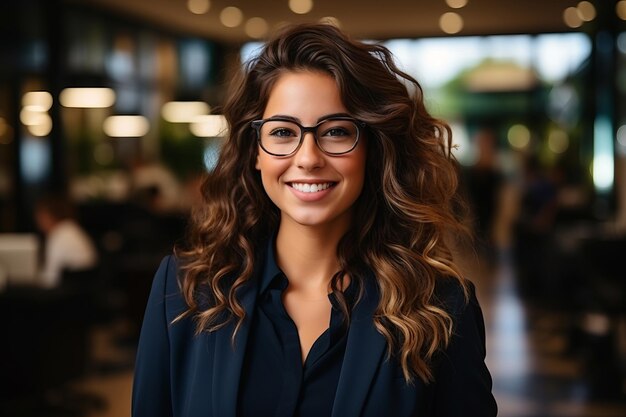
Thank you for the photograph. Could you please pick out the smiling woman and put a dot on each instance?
(307, 184)
(315, 279)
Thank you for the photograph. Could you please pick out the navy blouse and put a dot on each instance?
(274, 381)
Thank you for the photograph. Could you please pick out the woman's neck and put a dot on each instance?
(307, 256)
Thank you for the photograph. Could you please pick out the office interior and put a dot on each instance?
(116, 105)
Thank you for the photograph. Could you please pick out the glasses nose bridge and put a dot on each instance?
(309, 129)
(305, 129)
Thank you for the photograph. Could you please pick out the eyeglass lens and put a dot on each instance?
(334, 136)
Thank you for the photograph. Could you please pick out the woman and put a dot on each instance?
(316, 280)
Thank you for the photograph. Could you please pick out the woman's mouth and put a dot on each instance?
(311, 188)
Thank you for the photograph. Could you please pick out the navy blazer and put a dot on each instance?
(178, 373)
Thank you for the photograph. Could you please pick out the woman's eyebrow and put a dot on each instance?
(296, 119)
(284, 116)
(328, 116)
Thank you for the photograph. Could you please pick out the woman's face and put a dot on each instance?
(310, 187)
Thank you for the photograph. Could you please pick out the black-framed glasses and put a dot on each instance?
(281, 136)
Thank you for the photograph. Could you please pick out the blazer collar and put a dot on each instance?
(364, 352)
(228, 359)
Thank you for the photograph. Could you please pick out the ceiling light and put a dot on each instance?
(231, 17)
(586, 11)
(209, 126)
(87, 97)
(572, 18)
(183, 111)
(198, 6)
(301, 6)
(126, 126)
(32, 115)
(43, 127)
(451, 23)
(256, 27)
(39, 99)
(620, 9)
(456, 4)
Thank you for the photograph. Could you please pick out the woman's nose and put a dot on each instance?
(309, 156)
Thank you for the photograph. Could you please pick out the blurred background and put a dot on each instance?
(109, 109)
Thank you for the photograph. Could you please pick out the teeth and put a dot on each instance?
(310, 188)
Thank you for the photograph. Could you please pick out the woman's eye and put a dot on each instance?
(282, 132)
(336, 131)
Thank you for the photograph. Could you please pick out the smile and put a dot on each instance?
(311, 188)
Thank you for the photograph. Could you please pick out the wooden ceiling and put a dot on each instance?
(367, 19)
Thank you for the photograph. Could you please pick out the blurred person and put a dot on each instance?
(67, 245)
(155, 186)
(315, 280)
(534, 247)
(483, 183)
(540, 197)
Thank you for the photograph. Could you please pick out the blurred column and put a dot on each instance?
(32, 35)
(604, 34)
(620, 152)
(54, 21)
(11, 39)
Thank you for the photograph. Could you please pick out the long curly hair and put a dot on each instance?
(401, 220)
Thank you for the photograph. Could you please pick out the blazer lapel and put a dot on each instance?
(228, 359)
(365, 350)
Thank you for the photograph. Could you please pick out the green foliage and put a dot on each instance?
(182, 152)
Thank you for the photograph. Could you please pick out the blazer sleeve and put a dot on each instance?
(151, 395)
(463, 383)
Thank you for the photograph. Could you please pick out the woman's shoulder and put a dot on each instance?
(453, 294)
(166, 285)
(168, 272)
(171, 277)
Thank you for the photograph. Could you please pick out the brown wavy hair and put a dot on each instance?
(401, 219)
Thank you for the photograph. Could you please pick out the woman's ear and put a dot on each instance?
(256, 163)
